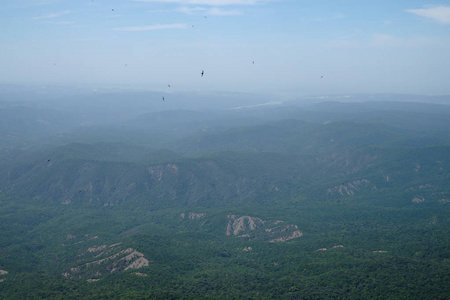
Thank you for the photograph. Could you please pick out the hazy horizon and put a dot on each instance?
(258, 46)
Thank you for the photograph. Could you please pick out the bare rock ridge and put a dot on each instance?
(429, 192)
(159, 171)
(101, 259)
(254, 228)
(192, 215)
(350, 188)
(2, 273)
(326, 249)
(250, 228)
(236, 225)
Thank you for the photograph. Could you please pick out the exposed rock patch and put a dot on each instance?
(253, 228)
(192, 215)
(2, 272)
(158, 172)
(102, 259)
(418, 199)
(237, 225)
(293, 235)
(326, 249)
(95, 249)
(256, 228)
(139, 262)
(350, 188)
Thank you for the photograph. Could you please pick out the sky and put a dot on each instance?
(265, 46)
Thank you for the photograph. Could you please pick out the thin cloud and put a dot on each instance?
(440, 14)
(60, 23)
(53, 15)
(215, 11)
(208, 2)
(384, 40)
(158, 11)
(153, 27)
(221, 12)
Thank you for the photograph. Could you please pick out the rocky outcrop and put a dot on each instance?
(351, 188)
(159, 171)
(2, 273)
(326, 249)
(236, 224)
(192, 215)
(250, 228)
(418, 199)
(293, 235)
(102, 259)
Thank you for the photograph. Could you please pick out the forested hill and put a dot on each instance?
(297, 200)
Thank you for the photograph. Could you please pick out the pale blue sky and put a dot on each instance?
(359, 46)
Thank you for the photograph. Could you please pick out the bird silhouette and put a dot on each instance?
(168, 85)
(321, 76)
(203, 72)
(164, 99)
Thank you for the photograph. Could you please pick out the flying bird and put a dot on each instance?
(203, 73)
(48, 160)
(164, 99)
(253, 62)
(321, 76)
(112, 9)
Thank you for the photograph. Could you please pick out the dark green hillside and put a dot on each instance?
(115, 174)
(32, 120)
(238, 204)
(296, 136)
(370, 251)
